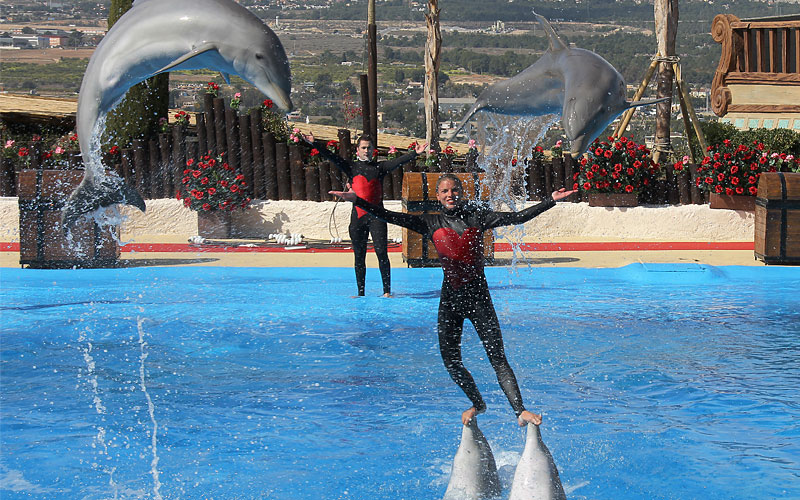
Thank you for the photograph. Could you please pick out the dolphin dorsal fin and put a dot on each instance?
(556, 43)
(205, 47)
(226, 77)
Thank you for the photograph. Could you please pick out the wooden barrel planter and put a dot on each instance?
(419, 196)
(777, 218)
(44, 243)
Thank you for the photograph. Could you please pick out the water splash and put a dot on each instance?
(150, 410)
(100, 440)
(502, 139)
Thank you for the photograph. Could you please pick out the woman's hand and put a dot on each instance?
(562, 193)
(348, 195)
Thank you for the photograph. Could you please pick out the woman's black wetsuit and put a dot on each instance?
(458, 237)
(366, 178)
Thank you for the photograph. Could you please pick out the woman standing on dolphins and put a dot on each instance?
(457, 234)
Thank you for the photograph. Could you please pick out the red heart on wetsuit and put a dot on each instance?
(464, 248)
(371, 191)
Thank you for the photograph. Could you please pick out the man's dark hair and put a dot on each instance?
(365, 137)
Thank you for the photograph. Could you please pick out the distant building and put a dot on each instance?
(450, 104)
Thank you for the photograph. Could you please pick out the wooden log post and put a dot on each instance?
(552, 175)
(695, 193)
(259, 192)
(345, 151)
(388, 186)
(270, 167)
(283, 179)
(671, 185)
(219, 126)
(210, 122)
(246, 149)
(366, 115)
(325, 180)
(202, 134)
(178, 156)
(534, 181)
(164, 168)
(684, 186)
(156, 177)
(141, 175)
(232, 139)
(297, 174)
(128, 174)
(397, 183)
(312, 182)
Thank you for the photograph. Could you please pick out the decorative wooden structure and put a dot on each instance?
(44, 244)
(777, 218)
(419, 196)
(757, 82)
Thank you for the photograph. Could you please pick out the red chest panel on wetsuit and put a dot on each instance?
(461, 254)
(371, 191)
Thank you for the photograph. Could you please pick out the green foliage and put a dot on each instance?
(775, 140)
(136, 117)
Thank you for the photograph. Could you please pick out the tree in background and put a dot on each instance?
(136, 117)
(433, 49)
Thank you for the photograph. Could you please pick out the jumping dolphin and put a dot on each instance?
(157, 36)
(536, 476)
(578, 84)
(474, 475)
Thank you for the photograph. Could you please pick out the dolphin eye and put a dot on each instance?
(259, 56)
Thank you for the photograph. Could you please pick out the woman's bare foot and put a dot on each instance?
(527, 417)
(387, 295)
(468, 415)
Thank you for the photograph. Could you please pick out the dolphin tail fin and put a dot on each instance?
(647, 102)
(556, 43)
(192, 53)
(474, 109)
(89, 196)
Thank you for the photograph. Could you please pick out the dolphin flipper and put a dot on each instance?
(193, 53)
(226, 77)
(89, 196)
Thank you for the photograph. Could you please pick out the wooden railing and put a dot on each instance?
(755, 52)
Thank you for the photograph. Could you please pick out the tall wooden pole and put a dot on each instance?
(372, 71)
(433, 48)
(666, 17)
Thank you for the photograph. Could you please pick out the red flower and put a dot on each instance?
(628, 188)
(753, 190)
(268, 103)
(212, 191)
(196, 173)
(206, 206)
(234, 188)
(314, 152)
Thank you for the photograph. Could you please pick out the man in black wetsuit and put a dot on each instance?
(457, 234)
(366, 178)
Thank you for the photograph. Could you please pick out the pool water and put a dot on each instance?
(656, 382)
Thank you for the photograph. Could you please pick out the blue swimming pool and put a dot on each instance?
(656, 382)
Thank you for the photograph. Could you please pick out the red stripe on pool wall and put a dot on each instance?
(608, 246)
(623, 246)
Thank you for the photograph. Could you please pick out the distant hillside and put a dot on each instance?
(622, 12)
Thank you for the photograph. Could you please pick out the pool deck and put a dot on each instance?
(176, 251)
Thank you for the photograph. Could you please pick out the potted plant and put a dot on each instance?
(730, 173)
(213, 189)
(614, 172)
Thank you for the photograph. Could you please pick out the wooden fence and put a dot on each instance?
(277, 170)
